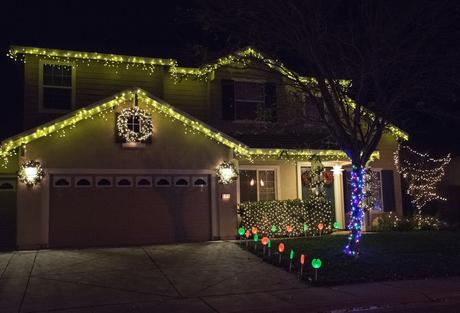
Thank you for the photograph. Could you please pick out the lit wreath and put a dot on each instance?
(226, 172)
(145, 124)
(31, 173)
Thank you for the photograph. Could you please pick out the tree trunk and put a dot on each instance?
(357, 184)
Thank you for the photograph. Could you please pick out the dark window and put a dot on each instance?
(163, 182)
(249, 99)
(144, 182)
(388, 191)
(245, 100)
(181, 182)
(83, 182)
(124, 182)
(248, 185)
(134, 124)
(57, 87)
(6, 186)
(104, 182)
(200, 182)
(62, 182)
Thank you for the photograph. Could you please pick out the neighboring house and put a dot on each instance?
(100, 190)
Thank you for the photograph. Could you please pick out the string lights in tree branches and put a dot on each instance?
(422, 173)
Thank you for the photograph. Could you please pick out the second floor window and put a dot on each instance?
(57, 93)
(248, 100)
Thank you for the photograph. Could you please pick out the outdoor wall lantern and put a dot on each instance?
(31, 173)
(226, 172)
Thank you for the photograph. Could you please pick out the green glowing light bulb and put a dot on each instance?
(256, 237)
(273, 229)
(291, 254)
(336, 225)
(316, 263)
(241, 231)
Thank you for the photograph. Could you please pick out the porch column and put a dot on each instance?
(338, 196)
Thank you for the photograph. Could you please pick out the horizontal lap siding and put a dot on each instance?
(190, 96)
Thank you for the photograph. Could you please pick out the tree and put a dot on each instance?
(422, 173)
(348, 60)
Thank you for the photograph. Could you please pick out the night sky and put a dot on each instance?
(157, 30)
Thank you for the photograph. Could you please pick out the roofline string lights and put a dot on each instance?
(9, 146)
(242, 57)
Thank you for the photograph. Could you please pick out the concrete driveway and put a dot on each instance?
(206, 277)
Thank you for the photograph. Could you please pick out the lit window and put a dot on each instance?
(257, 185)
(57, 87)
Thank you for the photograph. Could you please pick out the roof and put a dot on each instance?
(8, 147)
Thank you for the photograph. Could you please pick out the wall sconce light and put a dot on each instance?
(225, 196)
(31, 173)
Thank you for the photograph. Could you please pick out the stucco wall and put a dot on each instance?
(91, 145)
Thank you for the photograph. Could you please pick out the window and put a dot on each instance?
(257, 185)
(200, 181)
(83, 181)
(61, 181)
(7, 185)
(124, 181)
(249, 99)
(134, 124)
(163, 181)
(181, 181)
(104, 181)
(56, 92)
(143, 181)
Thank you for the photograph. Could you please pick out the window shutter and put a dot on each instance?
(228, 99)
(388, 191)
(270, 99)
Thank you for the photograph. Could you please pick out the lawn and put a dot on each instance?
(384, 256)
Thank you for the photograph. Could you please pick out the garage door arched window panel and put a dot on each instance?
(124, 181)
(199, 181)
(181, 181)
(163, 181)
(143, 181)
(7, 185)
(104, 181)
(83, 181)
(61, 182)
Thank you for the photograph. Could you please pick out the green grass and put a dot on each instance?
(384, 256)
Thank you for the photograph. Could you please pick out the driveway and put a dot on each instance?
(205, 277)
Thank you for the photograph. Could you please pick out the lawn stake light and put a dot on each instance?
(264, 242)
(316, 264)
(280, 250)
(241, 232)
(320, 227)
(291, 258)
(247, 234)
(269, 245)
(273, 229)
(336, 225)
(302, 263)
(254, 230)
(256, 239)
(305, 228)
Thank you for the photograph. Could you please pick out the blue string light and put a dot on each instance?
(357, 185)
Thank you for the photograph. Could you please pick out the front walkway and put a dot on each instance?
(207, 277)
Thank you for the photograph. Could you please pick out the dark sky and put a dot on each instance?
(128, 27)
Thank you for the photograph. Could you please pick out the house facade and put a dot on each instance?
(100, 189)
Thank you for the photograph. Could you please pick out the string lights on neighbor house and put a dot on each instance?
(422, 173)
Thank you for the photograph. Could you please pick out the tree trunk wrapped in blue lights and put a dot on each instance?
(289, 217)
(357, 195)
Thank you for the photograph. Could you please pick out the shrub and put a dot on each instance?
(284, 213)
(389, 222)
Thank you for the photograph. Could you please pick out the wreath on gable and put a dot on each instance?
(134, 124)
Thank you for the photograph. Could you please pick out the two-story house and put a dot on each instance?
(129, 148)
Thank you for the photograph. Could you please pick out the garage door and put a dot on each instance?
(100, 210)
